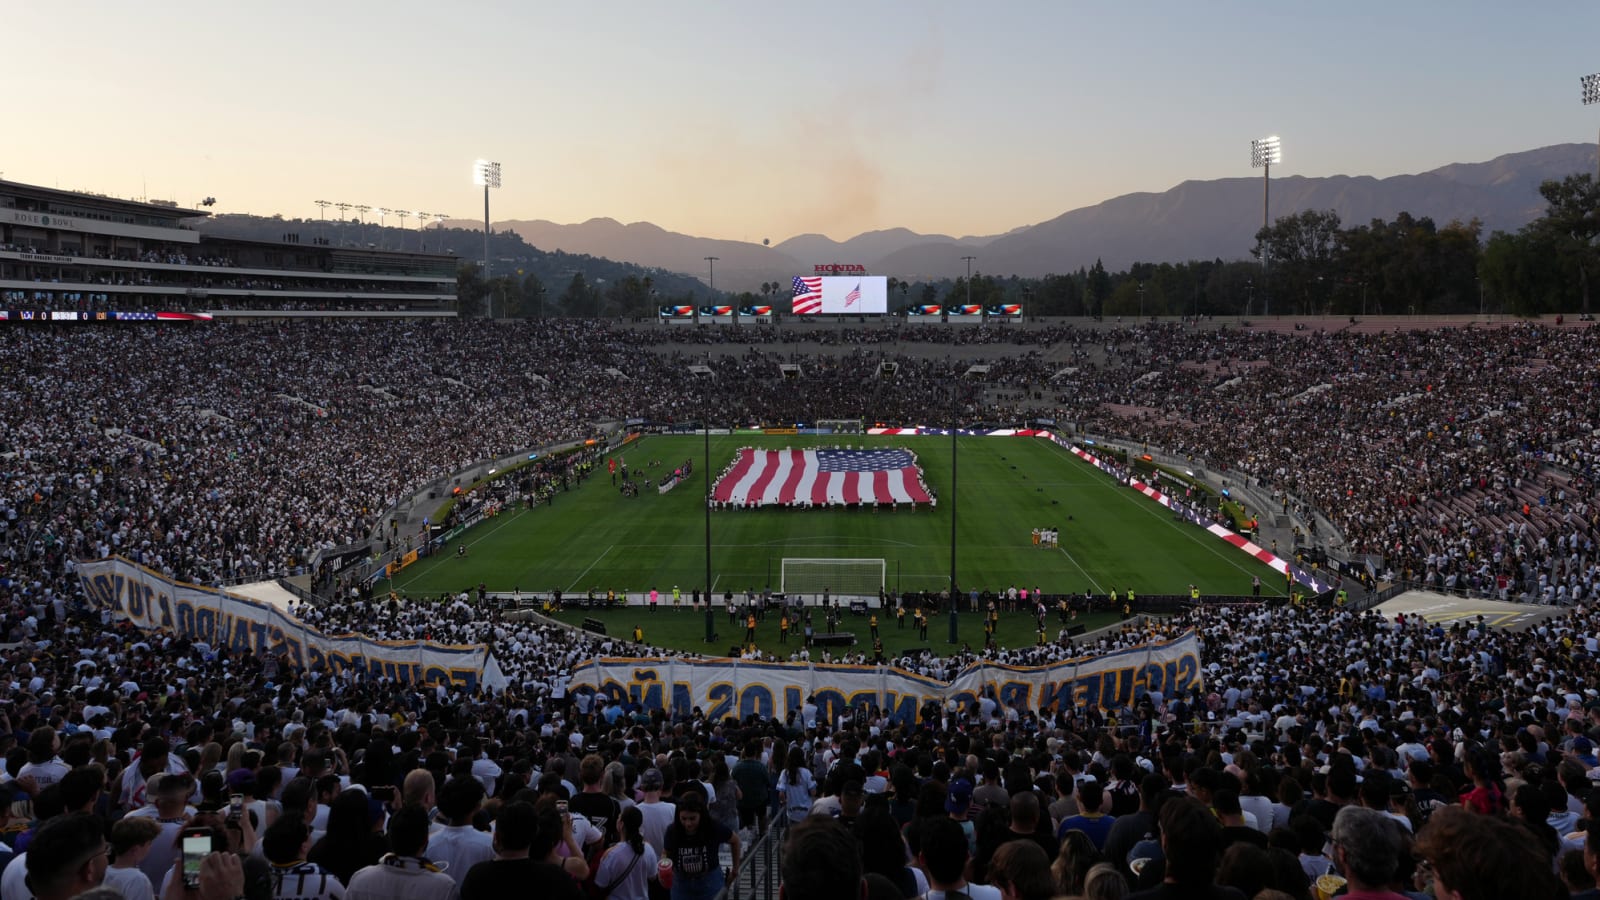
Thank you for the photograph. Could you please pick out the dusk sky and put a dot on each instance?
(751, 120)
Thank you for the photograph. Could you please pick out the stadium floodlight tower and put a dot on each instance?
(1591, 95)
(1264, 154)
(487, 175)
(705, 465)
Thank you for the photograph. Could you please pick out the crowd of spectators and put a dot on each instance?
(1395, 755)
(218, 455)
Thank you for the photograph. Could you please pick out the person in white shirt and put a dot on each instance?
(131, 839)
(459, 846)
(658, 814)
(43, 764)
(406, 873)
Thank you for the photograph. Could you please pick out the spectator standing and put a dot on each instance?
(404, 873)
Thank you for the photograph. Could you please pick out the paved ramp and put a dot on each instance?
(1447, 609)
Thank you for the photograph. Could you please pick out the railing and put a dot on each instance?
(760, 867)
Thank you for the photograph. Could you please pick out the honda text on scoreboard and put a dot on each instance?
(845, 295)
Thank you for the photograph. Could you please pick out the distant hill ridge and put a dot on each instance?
(1193, 220)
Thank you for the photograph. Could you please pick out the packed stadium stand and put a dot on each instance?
(69, 256)
(1460, 458)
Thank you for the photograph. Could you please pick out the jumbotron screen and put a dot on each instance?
(845, 295)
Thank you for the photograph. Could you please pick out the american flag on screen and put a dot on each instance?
(821, 478)
(807, 295)
(854, 295)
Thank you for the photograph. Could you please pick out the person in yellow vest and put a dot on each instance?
(900, 618)
(1131, 600)
(750, 628)
(677, 596)
(638, 635)
(1194, 593)
(922, 625)
(1127, 612)
(1342, 597)
(1113, 597)
(783, 629)
(1040, 641)
(872, 623)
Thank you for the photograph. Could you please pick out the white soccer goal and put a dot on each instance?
(840, 577)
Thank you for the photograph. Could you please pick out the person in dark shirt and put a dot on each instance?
(518, 869)
(821, 861)
(1191, 841)
(692, 842)
(591, 801)
(754, 787)
(1090, 820)
(1231, 815)
(1137, 826)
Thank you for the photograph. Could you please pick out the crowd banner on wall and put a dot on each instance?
(731, 687)
(154, 602)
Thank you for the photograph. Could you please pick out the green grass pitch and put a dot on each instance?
(1112, 538)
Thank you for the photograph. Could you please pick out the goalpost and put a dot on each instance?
(840, 577)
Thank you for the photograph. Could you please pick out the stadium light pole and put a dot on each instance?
(711, 261)
(969, 260)
(1591, 96)
(705, 460)
(1264, 154)
(955, 594)
(487, 174)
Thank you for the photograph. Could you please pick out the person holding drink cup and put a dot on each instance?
(692, 868)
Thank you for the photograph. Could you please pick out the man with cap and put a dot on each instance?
(658, 814)
(957, 802)
(851, 799)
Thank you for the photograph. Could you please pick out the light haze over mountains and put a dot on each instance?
(1193, 220)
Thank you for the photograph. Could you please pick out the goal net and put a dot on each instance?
(840, 577)
(842, 426)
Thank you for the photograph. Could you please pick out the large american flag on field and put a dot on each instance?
(821, 478)
(807, 295)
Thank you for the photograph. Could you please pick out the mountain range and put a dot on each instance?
(1193, 220)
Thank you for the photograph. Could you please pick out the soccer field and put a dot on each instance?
(593, 537)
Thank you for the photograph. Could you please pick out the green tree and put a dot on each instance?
(1299, 252)
(472, 293)
(1098, 289)
(1573, 219)
(579, 299)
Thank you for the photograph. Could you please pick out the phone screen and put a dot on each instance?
(195, 848)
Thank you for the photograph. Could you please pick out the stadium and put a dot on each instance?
(283, 500)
